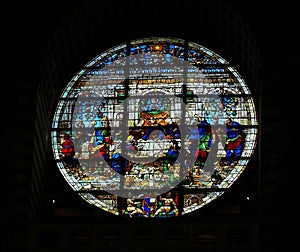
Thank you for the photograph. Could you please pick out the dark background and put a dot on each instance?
(28, 26)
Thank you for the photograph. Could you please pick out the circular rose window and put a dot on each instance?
(157, 127)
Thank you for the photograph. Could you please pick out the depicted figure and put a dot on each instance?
(166, 206)
(217, 177)
(85, 150)
(134, 207)
(205, 140)
(147, 206)
(220, 140)
(68, 150)
(119, 163)
(190, 178)
(235, 140)
(172, 153)
(99, 147)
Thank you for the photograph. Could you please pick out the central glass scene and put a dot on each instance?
(156, 127)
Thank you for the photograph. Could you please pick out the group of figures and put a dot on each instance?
(157, 134)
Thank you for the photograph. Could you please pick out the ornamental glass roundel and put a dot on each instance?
(157, 127)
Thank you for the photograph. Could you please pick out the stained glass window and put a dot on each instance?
(157, 127)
